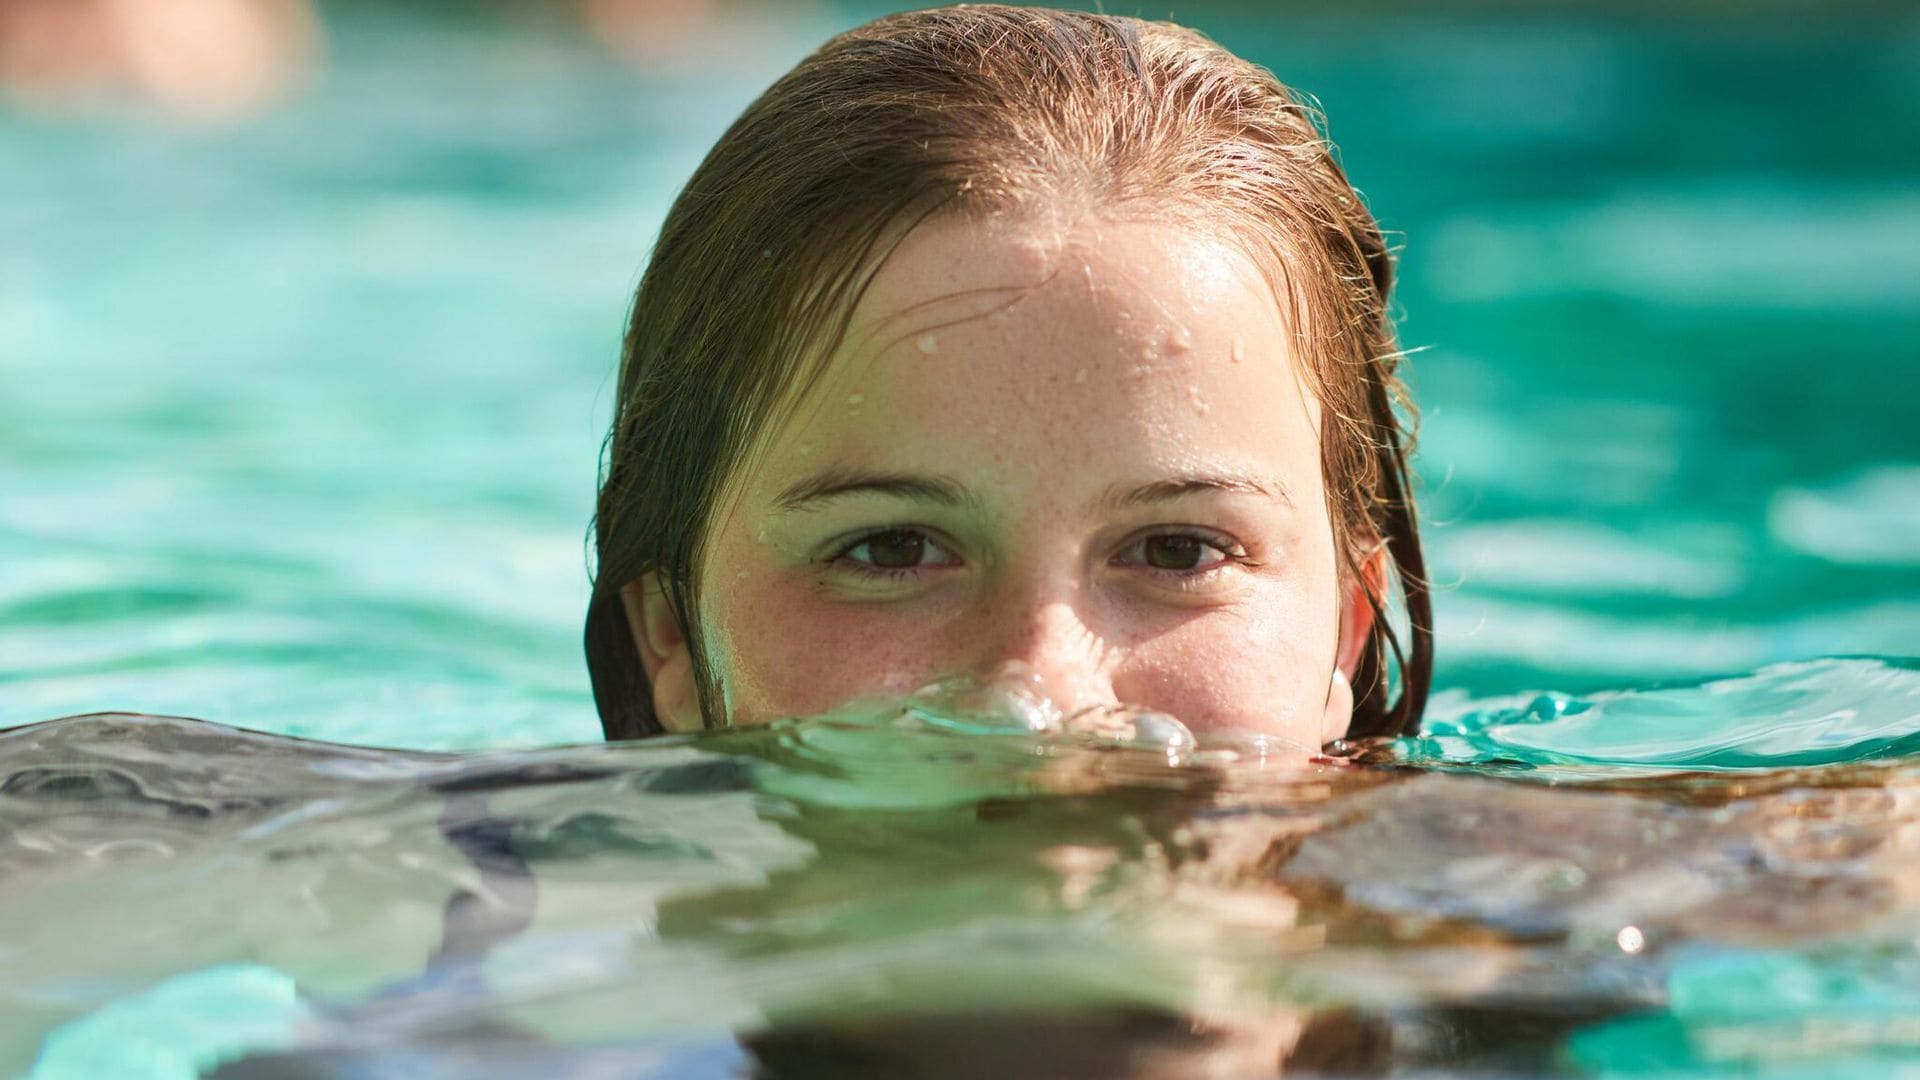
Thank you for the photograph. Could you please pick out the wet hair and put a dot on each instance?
(983, 109)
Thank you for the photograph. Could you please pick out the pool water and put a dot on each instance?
(298, 429)
(891, 894)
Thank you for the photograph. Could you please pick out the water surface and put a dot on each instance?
(908, 898)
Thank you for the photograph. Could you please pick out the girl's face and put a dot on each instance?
(1080, 453)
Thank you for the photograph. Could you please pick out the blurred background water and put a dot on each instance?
(300, 409)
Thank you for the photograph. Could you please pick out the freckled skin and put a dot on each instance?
(1039, 365)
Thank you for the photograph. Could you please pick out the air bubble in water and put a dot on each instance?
(1015, 701)
(1133, 725)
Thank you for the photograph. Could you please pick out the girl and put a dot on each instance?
(1014, 345)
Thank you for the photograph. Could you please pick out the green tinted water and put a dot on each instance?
(298, 424)
(894, 894)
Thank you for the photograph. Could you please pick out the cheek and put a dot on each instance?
(782, 650)
(1264, 667)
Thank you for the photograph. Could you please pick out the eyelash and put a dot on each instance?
(879, 573)
(1230, 551)
(1231, 555)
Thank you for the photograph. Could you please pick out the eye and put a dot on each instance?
(1182, 552)
(893, 552)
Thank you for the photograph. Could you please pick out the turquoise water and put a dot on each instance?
(298, 424)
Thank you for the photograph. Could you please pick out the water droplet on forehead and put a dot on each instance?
(927, 343)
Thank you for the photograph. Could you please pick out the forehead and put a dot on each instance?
(957, 269)
(1091, 342)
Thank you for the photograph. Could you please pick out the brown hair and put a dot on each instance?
(969, 109)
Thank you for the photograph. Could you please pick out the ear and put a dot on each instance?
(663, 653)
(1356, 623)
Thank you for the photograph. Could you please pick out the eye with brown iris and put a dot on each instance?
(897, 550)
(1174, 552)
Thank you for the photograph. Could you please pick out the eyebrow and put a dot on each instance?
(839, 481)
(1194, 484)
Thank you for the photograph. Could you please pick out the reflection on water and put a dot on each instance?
(1817, 712)
(904, 897)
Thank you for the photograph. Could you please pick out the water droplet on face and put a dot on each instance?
(1239, 350)
(1199, 400)
(927, 343)
(1179, 340)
